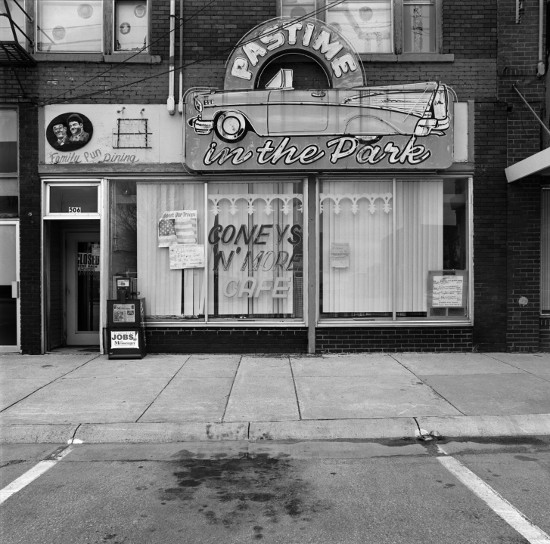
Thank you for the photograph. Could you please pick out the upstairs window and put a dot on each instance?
(9, 168)
(76, 26)
(376, 26)
(69, 26)
(419, 26)
(15, 11)
(131, 25)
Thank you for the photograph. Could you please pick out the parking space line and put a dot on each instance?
(509, 513)
(33, 473)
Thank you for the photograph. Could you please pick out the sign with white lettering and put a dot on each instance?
(256, 124)
(309, 37)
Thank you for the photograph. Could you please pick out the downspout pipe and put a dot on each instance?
(170, 104)
(180, 104)
(541, 65)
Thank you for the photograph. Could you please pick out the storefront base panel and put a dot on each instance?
(398, 339)
(227, 340)
(545, 334)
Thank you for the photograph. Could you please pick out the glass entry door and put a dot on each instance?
(9, 287)
(83, 275)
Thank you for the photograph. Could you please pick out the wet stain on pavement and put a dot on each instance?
(255, 490)
(525, 458)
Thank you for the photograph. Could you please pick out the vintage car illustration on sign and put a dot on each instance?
(367, 113)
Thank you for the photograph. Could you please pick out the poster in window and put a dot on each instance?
(177, 227)
(447, 289)
(339, 255)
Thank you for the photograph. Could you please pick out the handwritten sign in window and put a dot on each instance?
(447, 289)
(339, 255)
(186, 256)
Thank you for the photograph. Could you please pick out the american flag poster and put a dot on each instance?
(177, 227)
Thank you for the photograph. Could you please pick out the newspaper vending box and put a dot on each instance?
(125, 325)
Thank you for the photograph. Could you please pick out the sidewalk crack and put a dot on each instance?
(427, 385)
(295, 389)
(231, 391)
(163, 389)
(49, 383)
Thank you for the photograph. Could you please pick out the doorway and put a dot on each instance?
(9, 286)
(82, 300)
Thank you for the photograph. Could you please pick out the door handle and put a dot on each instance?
(14, 289)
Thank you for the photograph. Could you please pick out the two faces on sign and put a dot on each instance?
(69, 131)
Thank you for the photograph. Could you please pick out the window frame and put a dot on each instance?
(107, 53)
(394, 320)
(15, 173)
(14, 177)
(48, 214)
(397, 34)
(204, 211)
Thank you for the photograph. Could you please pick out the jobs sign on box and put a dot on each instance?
(124, 339)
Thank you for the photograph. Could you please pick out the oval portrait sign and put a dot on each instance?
(69, 131)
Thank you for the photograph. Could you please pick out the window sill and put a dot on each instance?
(133, 58)
(407, 57)
(69, 57)
(350, 323)
(127, 57)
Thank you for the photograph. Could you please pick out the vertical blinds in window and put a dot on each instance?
(167, 292)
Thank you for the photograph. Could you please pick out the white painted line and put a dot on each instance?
(31, 475)
(497, 503)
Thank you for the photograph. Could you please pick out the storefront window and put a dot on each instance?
(247, 263)
(255, 247)
(123, 236)
(394, 249)
(170, 249)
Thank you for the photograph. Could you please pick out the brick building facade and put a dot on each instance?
(487, 53)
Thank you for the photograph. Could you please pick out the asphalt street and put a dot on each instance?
(393, 491)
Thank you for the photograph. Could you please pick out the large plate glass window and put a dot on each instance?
(169, 239)
(9, 189)
(394, 249)
(255, 248)
(69, 26)
(130, 25)
(545, 252)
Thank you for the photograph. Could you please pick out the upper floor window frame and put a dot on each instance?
(9, 128)
(398, 49)
(106, 49)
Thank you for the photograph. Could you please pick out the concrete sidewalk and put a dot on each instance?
(166, 398)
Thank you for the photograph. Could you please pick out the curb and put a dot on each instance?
(448, 427)
(487, 426)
